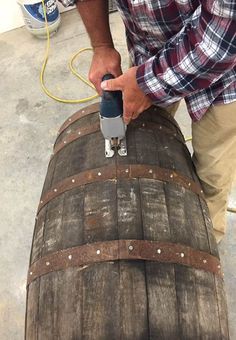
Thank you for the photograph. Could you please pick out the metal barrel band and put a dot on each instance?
(87, 254)
(159, 127)
(167, 116)
(94, 108)
(77, 115)
(78, 133)
(81, 132)
(126, 171)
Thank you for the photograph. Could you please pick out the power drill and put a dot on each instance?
(112, 125)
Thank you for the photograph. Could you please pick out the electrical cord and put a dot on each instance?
(71, 66)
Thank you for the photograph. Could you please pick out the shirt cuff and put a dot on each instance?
(154, 87)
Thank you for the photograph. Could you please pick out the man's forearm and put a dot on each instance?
(94, 14)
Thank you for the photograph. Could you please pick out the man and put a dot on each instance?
(179, 49)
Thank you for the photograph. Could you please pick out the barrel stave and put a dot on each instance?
(124, 299)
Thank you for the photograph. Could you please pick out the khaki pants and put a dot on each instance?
(214, 145)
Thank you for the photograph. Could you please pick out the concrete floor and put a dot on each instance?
(29, 123)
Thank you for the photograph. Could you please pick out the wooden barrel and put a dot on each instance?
(123, 247)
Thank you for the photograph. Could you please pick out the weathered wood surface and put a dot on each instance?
(130, 300)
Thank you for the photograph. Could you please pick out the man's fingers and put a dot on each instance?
(118, 73)
(128, 115)
(131, 115)
(135, 115)
(112, 84)
(127, 120)
(97, 85)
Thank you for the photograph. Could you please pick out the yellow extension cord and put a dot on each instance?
(73, 70)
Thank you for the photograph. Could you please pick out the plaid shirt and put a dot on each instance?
(184, 49)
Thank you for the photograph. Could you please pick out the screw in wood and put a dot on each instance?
(73, 180)
(31, 273)
(98, 251)
(41, 202)
(171, 175)
(79, 132)
(47, 263)
(99, 174)
(204, 261)
(158, 251)
(182, 254)
(70, 257)
(131, 248)
(55, 190)
(69, 119)
(150, 171)
(126, 170)
(64, 141)
(189, 184)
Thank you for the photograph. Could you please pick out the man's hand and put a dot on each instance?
(105, 60)
(134, 99)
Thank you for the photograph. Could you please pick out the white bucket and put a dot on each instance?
(34, 16)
